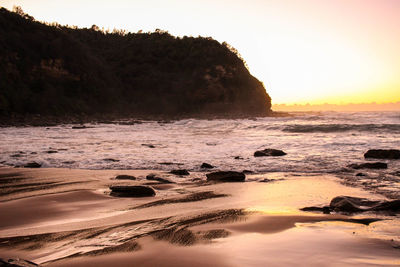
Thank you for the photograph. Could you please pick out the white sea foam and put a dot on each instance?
(314, 142)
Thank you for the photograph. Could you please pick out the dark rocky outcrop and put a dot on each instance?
(346, 204)
(393, 206)
(269, 152)
(349, 204)
(206, 166)
(132, 191)
(32, 164)
(180, 172)
(153, 177)
(125, 177)
(226, 176)
(383, 154)
(368, 165)
(360, 174)
(63, 71)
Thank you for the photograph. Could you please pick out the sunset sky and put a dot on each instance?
(304, 51)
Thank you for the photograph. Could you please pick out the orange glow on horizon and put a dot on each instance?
(304, 51)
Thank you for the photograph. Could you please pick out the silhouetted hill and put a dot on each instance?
(57, 70)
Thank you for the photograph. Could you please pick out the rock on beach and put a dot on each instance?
(226, 176)
(132, 191)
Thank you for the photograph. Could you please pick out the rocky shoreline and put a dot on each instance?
(18, 120)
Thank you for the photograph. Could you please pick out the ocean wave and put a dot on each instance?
(331, 128)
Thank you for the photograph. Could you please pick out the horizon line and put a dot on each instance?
(369, 106)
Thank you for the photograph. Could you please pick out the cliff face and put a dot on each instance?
(58, 70)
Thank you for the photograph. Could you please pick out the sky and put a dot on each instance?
(304, 51)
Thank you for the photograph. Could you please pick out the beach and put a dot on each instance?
(68, 218)
(199, 133)
(277, 191)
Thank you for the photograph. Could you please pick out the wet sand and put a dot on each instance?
(64, 217)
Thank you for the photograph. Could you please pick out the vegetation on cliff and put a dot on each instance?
(59, 70)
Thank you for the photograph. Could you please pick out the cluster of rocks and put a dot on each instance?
(147, 191)
(135, 190)
(348, 204)
(376, 154)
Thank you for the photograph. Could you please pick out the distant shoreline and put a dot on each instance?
(395, 106)
(38, 120)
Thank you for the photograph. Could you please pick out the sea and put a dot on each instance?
(315, 143)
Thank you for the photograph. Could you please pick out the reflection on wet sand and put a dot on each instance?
(189, 223)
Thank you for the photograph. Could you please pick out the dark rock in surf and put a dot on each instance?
(269, 152)
(125, 177)
(238, 157)
(170, 163)
(180, 172)
(18, 154)
(226, 176)
(153, 177)
(132, 191)
(51, 151)
(206, 166)
(111, 160)
(369, 165)
(149, 145)
(78, 127)
(32, 164)
(383, 154)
